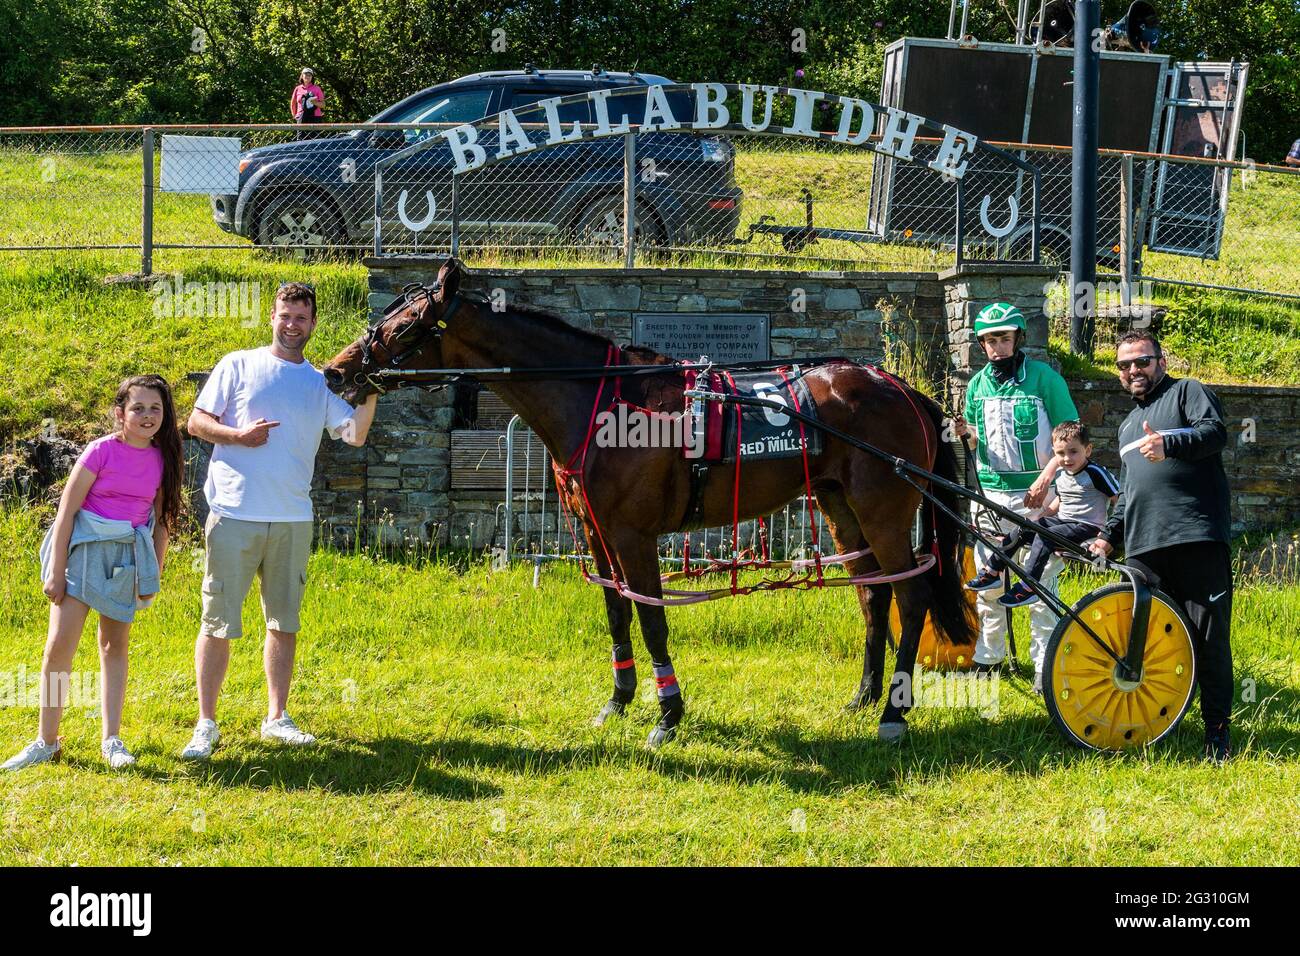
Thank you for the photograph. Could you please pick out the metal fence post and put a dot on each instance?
(379, 203)
(1035, 247)
(629, 199)
(455, 236)
(1083, 168)
(510, 467)
(1126, 230)
(146, 216)
(960, 230)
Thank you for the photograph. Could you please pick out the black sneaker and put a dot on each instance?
(1018, 596)
(1218, 746)
(984, 581)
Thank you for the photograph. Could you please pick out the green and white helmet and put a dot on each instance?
(999, 317)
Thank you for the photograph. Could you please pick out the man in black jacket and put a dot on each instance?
(1172, 512)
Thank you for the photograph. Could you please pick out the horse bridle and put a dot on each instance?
(411, 293)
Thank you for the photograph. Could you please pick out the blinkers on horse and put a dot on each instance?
(412, 292)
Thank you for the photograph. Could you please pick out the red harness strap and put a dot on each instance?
(929, 457)
(575, 468)
(735, 497)
(579, 456)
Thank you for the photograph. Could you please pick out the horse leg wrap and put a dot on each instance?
(624, 674)
(670, 694)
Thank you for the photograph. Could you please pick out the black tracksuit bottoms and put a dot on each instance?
(1198, 575)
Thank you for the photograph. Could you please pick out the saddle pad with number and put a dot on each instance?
(765, 433)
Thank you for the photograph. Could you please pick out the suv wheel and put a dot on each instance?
(299, 225)
(601, 224)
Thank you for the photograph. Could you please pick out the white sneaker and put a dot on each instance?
(286, 731)
(205, 738)
(116, 754)
(38, 751)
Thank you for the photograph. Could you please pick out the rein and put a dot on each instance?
(508, 373)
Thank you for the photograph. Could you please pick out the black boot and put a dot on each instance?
(1218, 744)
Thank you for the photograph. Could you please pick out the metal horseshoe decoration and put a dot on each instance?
(410, 223)
(1011, 223)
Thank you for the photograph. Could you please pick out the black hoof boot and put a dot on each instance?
(664, 731)
(613, 708)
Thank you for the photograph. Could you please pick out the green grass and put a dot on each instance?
(453, 705)
(1218, 337)
(70, 339)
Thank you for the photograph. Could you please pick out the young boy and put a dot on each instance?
(1011, 407)
(1084, 492)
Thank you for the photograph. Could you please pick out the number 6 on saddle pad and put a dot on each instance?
(765, 433)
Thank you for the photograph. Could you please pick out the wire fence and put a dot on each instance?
(694, 199)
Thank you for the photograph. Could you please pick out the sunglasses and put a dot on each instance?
(1141, 362)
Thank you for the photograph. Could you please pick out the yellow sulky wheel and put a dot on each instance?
(1086, 695)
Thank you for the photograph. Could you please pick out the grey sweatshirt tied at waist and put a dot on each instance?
(99, 574)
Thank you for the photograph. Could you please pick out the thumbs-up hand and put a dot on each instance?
(1153, 445)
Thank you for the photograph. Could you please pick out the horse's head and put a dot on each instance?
(407, 335)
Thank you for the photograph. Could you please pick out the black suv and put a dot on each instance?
(321, 191)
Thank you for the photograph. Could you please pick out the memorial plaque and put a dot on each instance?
(723, 337)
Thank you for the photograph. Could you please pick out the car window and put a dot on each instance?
(633, 106)
(461, 107)
(579, 110)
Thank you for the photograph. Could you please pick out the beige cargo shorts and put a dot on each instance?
(275, 551)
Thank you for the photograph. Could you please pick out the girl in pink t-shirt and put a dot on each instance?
(120, 481)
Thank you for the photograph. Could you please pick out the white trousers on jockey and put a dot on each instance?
(992, 644)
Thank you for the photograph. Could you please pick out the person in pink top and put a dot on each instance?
(307, 102)
(105, 551)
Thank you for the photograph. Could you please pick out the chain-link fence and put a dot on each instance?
(561, 176)
(1216, 224)
(696, 198)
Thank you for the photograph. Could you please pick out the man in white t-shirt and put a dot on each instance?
(264, 411)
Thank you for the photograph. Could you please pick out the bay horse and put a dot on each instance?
(625, 498)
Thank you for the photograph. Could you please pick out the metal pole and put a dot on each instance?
(629, 199)
(965, 12)
(1083, 205)
(960, 227)
(1126, 230)
(455, 232)
(146, 216)
(1036, 246)
(952, 17)
(379, 197)
(510, 469)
